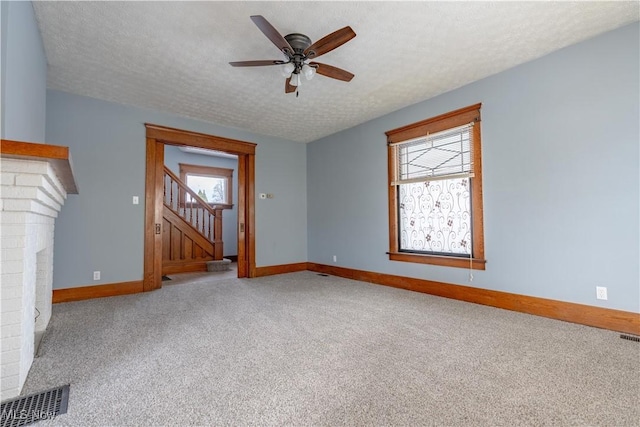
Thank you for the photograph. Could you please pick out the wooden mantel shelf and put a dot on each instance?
(58, 156)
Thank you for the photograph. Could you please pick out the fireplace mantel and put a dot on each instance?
(36, 179)
(56, 155)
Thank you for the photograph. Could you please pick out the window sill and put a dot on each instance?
(478, 264)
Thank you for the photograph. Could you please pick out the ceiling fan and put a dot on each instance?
(299, 51)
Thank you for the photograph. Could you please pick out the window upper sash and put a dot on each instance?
(435, 124)
(443, 155)
(433, 149)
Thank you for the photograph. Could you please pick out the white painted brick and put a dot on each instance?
(24, 166)
(10, 356)
(12, 192)
(23, 205)
(52, 192)
(9, 281)
(10, 290)
(53, 213)
(39, 208)
(26, 356)
(12, 242)
(7, 178)
(9, 383)
(9, 267)
(11, 318)
(10, 369)
(32, 196)
(7, 331)
(13, 217)
(12, 254)
(9, 393)
(29, 179)
(27, 205)
(9, 230)
(45, 199)
(10, 304)
(12, 343)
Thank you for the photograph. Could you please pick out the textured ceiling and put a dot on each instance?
(173, 56)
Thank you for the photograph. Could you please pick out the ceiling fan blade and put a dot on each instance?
(272, 34)
(259, 63)
(330, 42)
(333, 72)
(287, 87)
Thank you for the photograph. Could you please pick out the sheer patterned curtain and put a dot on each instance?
(435, 216)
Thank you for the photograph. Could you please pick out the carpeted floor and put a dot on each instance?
(304, 350)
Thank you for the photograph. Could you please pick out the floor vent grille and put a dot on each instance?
(26, 410)
(630, 337)
(323, 275)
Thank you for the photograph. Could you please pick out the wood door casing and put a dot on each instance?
(157, 137)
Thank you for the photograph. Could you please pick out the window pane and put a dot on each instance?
(435, 216)
(211, 189)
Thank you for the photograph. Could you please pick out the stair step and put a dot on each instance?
(219, 265)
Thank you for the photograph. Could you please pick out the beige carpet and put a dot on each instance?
(304, 350)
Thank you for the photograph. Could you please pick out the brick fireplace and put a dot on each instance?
(36, 179)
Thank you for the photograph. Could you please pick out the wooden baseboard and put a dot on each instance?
(605, 318)
(280, 269)
(99, 291)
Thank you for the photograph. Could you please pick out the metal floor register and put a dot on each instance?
(35, 407)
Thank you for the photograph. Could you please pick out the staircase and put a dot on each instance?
(191, 229)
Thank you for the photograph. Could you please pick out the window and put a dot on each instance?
(435, 191)
(214, 185)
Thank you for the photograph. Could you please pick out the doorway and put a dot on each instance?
(157, 137)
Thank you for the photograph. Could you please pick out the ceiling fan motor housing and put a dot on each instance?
(299, 43)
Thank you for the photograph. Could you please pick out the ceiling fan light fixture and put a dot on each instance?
(308, 71)
(295, 80)
(287, 69)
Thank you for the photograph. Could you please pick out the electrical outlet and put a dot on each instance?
(335, 258)
(136, 200)
(96, 275)
(601, 292)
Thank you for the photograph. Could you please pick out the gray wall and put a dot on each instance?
(561, 189)
(100, 229)
(24, 74)
(173, 156)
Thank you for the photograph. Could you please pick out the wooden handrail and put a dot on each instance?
(211, 225)
(191, 193)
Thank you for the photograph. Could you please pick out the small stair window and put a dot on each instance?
(213, 185)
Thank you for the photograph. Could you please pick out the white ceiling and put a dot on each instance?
(173, 56)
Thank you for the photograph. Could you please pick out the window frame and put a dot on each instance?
(423, 128)
(213, 172)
